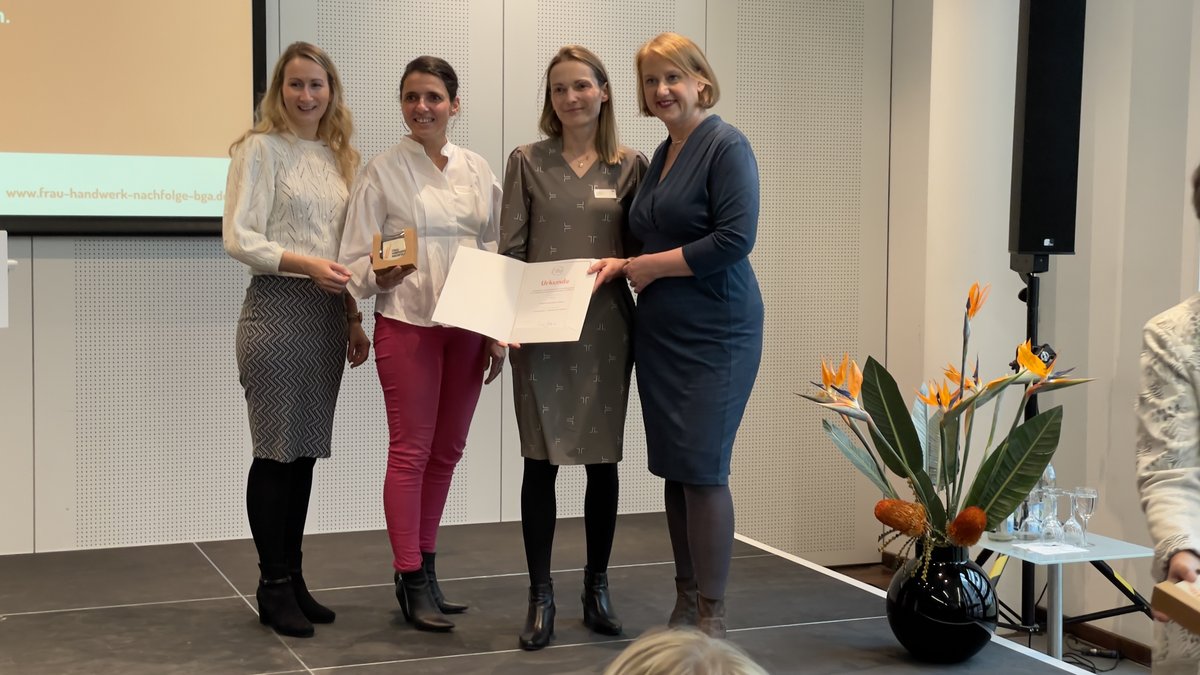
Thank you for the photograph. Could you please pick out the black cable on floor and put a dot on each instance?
(1079, 656)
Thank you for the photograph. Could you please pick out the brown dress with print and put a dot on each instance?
(571, 396)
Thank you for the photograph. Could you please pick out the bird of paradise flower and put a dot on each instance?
(929, 444)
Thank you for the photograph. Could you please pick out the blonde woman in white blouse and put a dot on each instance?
(431, 374)
(284, 211)
(1168, 462)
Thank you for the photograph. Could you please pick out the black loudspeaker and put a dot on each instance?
(1045, 170)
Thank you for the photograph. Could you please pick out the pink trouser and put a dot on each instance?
(431, 378)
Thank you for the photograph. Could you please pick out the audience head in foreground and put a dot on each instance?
(682, 651)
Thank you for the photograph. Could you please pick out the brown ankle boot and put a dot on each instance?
(711, 615)
(684, 613)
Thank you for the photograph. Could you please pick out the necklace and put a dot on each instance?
(582, 161)
(677, 142)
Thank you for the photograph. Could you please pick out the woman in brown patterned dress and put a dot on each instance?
(568, 197)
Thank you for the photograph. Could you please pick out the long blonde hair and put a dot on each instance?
(335, 127)
(607, 145)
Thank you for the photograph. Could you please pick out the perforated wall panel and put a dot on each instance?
(614, 30)
(372, 42)
(162, 442)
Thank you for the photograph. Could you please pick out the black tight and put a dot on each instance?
(539, 511)
(277, 504)
(700, 520)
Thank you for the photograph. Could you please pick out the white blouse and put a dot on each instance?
(402, 187)
(283, 194)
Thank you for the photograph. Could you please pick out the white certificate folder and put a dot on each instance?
(514, 301)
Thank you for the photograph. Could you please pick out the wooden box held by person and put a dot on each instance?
(398, 251)
(1180, 601)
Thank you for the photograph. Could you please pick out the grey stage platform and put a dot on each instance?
(174, 609)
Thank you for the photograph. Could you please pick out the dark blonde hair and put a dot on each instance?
(335, 127)
(686, 56)
(682, 651)
(607, 145)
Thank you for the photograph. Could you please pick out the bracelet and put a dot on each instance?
(353, 317)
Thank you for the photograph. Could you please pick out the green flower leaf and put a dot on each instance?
(860, 458)
(1013, 468)
(949, 449)
(927, 426)
(896, 439)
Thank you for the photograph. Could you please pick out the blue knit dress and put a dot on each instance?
(698, 339)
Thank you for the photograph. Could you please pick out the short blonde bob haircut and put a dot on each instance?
(684, 55)
(335, 127)
(607, 145)
(684, 651)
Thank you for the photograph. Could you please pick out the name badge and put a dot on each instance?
(464, 189)
(604, 193)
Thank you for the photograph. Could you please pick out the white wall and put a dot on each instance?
(954, 73)
(954, 67)
(1136, 256)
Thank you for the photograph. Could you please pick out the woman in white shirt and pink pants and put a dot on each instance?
(431, 374)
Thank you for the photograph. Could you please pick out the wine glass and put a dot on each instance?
(1052, 529)
(1072, 530)
(1085, 503)
(1030, 528)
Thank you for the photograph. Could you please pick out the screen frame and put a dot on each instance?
(62, 225)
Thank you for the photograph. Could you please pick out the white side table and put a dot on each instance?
(1101, 548)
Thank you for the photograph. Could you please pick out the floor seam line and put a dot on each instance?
(122, 606)
(254, 609)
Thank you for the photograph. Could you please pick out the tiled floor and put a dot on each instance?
(184, 608)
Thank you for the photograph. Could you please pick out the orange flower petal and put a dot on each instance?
(826, 375)
(976, 297)
(1029, 361)
(854, 386)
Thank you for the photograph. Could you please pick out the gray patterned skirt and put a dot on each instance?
(291, 352)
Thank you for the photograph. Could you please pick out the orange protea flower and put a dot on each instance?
(906, 517)
(976, 297)
(967, 527)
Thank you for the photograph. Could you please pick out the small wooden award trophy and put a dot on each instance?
(397, 251)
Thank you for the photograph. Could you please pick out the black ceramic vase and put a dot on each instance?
(948, 613)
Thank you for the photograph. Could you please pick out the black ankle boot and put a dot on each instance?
(416, 601)
(598, 613)
(277, 608)
(539, 621)
(684, 613)
(313, 610)
(443, 604)
(711, 615)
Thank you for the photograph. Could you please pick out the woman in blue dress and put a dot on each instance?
(699, 321)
